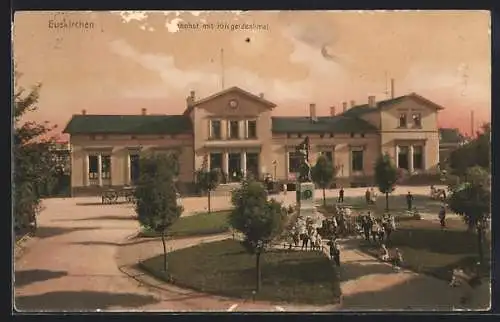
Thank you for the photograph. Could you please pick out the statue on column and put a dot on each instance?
(305, 166)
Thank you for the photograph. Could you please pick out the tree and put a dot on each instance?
(34, 164)
(386, 176)
(323, 174)
(258, 219)
(156, 195)
(207, 180)
(471, 199)
(474, 153)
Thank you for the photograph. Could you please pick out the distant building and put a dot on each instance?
(449, 139)
(234, 131)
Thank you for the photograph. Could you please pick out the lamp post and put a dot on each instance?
(275, 163)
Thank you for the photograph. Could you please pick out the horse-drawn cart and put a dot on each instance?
(112, 196)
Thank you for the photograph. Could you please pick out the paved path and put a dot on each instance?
(72, 263)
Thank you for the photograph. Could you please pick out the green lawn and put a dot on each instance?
(225, 268)
(196, 225)
(427, 249)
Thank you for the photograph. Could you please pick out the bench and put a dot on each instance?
(112, 196)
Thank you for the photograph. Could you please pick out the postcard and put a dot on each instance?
(237, 161)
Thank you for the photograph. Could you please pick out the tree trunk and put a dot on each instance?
(386, 201)
(324, 198)
(257, 271)
(164, 250)
(209, 206)
(480, 234)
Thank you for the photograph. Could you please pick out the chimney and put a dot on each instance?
(344, 106)
(353, 103)
(392, 87)
(312, 112)
(261, 95)
(332, 110)
(371, 101)
(191, 98)
(144, 111)
(84, 112)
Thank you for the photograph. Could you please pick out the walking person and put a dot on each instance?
(336, 253)
(409, 201)
(442, 217)
(341, 195)
(368, 197)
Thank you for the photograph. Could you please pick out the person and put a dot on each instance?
(296, 238)
(366, 226)
(341, 195)
(398, 259)
(305, 241)
(433, 191)
(442, 217)
(373, 195)
(384, 256)
(319, 242)
(368, 196)
(409, 200)
(380, 233)
(313, 241)
(336, 253)
(285, 188)
(374, 230)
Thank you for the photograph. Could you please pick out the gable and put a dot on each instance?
(234, 102)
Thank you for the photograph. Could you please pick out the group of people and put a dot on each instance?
(308, 234)
(370, 196)
(396, 259)
(379, 229)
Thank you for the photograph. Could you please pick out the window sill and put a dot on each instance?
(416, 127)
(402, 127)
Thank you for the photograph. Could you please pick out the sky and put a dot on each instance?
(121, 62)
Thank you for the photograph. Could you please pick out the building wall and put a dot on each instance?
(340, 145)
(120, 146)
(218, 108)
(391, 134)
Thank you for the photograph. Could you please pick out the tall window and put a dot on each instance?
(357, 160)
(215, 161)
(106, 167)
(134, 168)
(93, 167)
(402, 120)
(234, 130)
(403, 157)
(251, 129)
(418, 157)
(294, 160)
(215, 129)
(417, 119)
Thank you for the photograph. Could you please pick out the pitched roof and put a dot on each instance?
(128, 124)
(450, 135)
(365, 108)
(326, 124)
(229, 90)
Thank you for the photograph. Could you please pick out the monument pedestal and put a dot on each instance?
(305, 201)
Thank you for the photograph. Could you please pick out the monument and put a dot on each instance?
(305, 187)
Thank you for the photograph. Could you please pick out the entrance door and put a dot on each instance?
(134, 168)
(253, 165)
(234, 167)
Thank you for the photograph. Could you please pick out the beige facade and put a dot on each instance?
(235, 131)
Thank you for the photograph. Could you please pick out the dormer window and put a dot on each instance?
(402, 120)
(417, 119)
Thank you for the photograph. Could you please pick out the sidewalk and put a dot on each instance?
(369, 284)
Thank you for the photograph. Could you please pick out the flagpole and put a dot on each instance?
(222, 68)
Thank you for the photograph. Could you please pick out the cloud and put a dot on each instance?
(206, 79)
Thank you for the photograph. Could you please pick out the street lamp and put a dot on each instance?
(275, 163)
